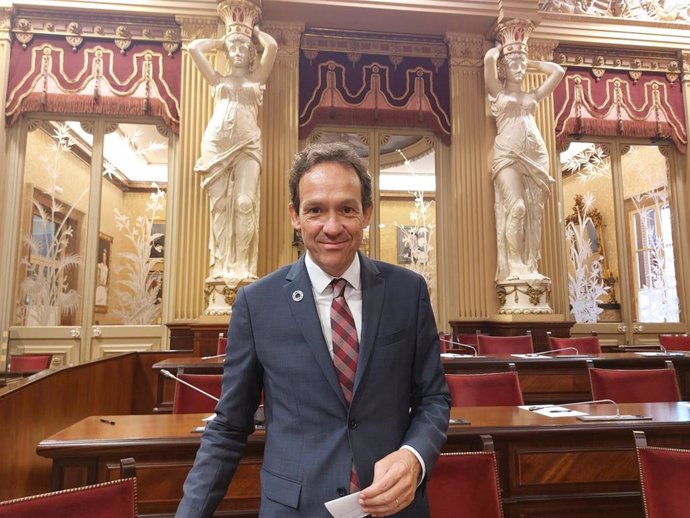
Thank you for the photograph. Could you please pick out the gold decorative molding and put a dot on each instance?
(464, 49)
(76, 26)
(541, 50)
(685, 66)
(618, 59)
(374, 43)
(196, 27)
(288, 35)
(650, 11)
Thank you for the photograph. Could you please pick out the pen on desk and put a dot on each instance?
(558, 410)
(106, 421)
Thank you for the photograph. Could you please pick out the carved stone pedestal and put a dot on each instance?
(524, 297)
(220, 297)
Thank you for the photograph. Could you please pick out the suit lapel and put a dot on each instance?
(305, 315)
(373, 288)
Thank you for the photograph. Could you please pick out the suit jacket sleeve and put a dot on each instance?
(225, 436)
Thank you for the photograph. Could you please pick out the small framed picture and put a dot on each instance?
(105, 244)
(158, 242)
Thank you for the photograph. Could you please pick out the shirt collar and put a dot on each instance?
(320, 280)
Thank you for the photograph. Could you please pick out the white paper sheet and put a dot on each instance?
(553, 410)
(346, 507)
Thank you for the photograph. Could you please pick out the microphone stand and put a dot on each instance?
(460, 344)
(546, 353)
(170, 375)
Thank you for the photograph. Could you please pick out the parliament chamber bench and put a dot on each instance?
(543, 379)
(548, 466)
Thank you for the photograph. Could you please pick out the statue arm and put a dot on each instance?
(491, 80)
(268, 56)
(197, 48)
(555, 73)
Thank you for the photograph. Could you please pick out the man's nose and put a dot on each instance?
(332, 225)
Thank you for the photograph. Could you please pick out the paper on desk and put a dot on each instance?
(531, 355)
(456, 355)
(346, 507)
(553, 411)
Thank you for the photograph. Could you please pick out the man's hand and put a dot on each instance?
(395, 482)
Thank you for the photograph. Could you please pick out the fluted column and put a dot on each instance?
(5, 168)
(553, 259)
(682, 187)
(279, 127)
(190, 202)
(472, 232)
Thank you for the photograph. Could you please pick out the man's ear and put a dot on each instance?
(294, 217)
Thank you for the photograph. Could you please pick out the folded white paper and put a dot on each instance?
(346, 507)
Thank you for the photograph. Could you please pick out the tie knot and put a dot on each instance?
(338, 287)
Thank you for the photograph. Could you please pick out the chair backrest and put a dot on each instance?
(489, 389)
(634, 386)
(583, 344)
(222, 344)
(114, 499)
(466, 485)
(29, 363)
(675, 342)
(467, 338)
(521, 344)
(665, 478)
(186, 400)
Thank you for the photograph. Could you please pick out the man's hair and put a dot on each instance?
(315, 154)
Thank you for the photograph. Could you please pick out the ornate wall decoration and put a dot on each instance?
(373, 90)
(656, 10)
(94, 65)
(615, 103)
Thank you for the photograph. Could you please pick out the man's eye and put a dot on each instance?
(313, 210)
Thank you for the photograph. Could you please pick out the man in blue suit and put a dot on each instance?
(390, 429)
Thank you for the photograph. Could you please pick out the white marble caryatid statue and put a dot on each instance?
(520, 168)
(231, 156)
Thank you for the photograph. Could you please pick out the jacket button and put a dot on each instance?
(352, 424)
(341, 491)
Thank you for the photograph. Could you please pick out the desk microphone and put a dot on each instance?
(212, 357)
(170, 375)
(546, 353)
(460, 344)
(608, 417)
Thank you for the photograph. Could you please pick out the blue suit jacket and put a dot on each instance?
(276, 344)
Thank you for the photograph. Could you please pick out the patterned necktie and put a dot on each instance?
(345, 351)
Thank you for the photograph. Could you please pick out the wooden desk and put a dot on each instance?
(548, 466)
(563, 379)
(183, 364)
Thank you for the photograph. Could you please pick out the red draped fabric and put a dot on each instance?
(373, 91)
(49, 76)
(615, 104)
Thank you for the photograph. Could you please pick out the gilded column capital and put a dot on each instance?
(685, 66)
(6, 20)
(541, 50)
(192, 28)
(288, 36)
(465, 50)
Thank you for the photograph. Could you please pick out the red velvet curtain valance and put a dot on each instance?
(49, 76)
(373, 91)
(614, 104)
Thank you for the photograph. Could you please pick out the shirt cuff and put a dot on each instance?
(419, 458)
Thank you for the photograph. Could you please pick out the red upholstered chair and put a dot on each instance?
(521, 344)
(665, 478)
(114, 499)
(29, 363)
(186, 400)
(634, 386)
(675, 342)
(222, 344)
(465, 485)
(489, 389)
(468, 338)
(583, 344)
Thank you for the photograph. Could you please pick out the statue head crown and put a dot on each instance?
(239, 16)
(513, 35)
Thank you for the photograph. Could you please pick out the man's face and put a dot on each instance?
(330, 217)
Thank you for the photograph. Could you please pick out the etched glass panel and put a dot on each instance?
(54, 206)
(131, 243)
